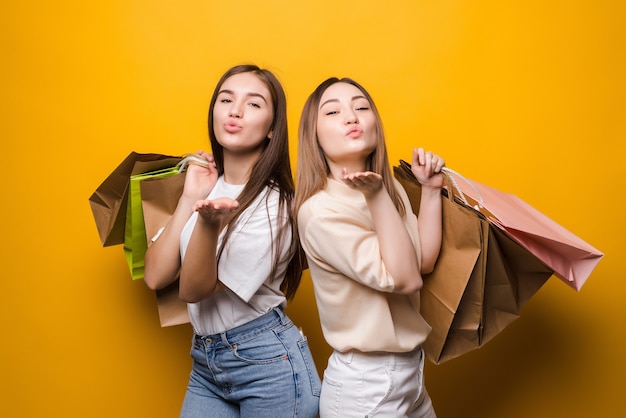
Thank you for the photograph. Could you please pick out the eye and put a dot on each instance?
(225, 100)
(361, 105)
(253, 104)
(332, 110)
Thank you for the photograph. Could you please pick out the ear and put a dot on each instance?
(269, 134)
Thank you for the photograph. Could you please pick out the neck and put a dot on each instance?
(237, 167)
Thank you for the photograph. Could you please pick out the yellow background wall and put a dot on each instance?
(528, 97)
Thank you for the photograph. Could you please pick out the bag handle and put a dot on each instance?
(450, 173)
(191, 159)
(480, 203)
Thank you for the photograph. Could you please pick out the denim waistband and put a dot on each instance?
(248, 330)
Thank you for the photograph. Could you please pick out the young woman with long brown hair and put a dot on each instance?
(232, 242)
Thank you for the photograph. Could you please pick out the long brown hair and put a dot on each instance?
(272, 169)
(313, 169)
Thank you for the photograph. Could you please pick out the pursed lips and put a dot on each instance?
(232, 127)
(354, 133)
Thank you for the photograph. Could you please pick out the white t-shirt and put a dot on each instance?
(245, 266)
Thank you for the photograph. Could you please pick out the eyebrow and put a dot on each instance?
(251, 94)
(336, 100)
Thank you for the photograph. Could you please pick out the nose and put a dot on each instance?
(235, 110)
(351, 117)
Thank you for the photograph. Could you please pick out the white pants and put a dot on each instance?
(367, 385)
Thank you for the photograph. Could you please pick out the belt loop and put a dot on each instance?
(280, 313)
(225, 340)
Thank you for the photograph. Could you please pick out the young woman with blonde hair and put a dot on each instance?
(366, 252)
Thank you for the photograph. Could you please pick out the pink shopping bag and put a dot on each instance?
(571, 258)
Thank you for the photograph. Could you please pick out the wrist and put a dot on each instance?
(430, 189)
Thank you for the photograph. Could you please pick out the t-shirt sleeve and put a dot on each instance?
(247, 259)
(340, 242)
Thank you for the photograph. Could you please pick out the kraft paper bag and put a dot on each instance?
(571, 258)
(172, 310)
(481, 279)
(159, 200)
(135, 240)
(110, 200)
(110, 205)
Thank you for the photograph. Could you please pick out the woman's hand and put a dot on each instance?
(200, 180)
(426, 167)
(213, 211)
(395, 246)
(367, 182)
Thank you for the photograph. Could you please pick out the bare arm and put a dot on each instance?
(426, 167)
(162, 259)
(429, 223)
(198, 274)
(396, 247)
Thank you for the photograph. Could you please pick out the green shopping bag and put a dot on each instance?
(135, 240)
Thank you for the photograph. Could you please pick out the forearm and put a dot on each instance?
(162, 259)
(430, 231)
(396, 248)
(198, 273)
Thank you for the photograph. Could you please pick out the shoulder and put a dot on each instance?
(314, 205)
(325, 201)
(334, 209)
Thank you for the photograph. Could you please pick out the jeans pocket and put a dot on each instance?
(265, 348)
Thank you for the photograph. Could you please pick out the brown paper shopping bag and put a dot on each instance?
(172, 310)
(109, 201)
(109, 205)
(481, 279)
(159, 199)
(135, 239)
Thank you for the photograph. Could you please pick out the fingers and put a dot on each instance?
(220, 205)
(202, 158)
(436, 163)
(361, 177)
(207, 156)
(430, 163)
(418, 157)
(366, 182)
(439, 165)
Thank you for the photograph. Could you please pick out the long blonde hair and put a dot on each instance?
(313, 169)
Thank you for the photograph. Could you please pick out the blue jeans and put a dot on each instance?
(260, 369)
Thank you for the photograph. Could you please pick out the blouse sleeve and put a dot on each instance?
(341, 242)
